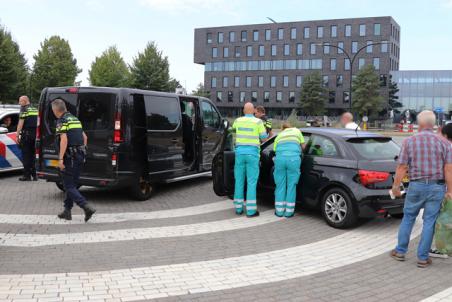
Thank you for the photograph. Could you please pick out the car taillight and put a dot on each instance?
(38, 136)
(72, 90)
(114, 157)
(117, 138)
(371, 177)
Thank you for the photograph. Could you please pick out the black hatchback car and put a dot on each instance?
(345, 173)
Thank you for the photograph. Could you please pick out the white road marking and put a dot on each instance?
(34, 240)
(221, 274)
(444, 296)
(118, 217)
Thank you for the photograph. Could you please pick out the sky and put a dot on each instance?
(91, 26)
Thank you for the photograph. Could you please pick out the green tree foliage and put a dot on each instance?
(150, 69)
(109, 70)
(201, 91)
(394, 103)
(366, 92)
(173, 84)
(313, 95)
(54, 65)
(13, 68)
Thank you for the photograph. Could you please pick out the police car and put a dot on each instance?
(10, 154)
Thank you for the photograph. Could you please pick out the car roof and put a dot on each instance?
(341, 133)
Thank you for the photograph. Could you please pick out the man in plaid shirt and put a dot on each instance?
(428, 159)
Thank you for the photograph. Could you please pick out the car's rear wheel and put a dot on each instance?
(397, 216)
(142, 189)
(61, 186)
(337, 209)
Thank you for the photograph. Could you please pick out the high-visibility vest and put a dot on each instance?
(29, 114)
(248, 131)
(289, 135)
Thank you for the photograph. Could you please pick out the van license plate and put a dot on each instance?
(406, 179)
(51, 163)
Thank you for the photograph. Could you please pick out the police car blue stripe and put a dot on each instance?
(16, 150)
(4, 163)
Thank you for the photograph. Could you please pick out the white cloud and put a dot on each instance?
(191, 6)
(447, 3)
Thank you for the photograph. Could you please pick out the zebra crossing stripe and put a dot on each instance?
(444, 296)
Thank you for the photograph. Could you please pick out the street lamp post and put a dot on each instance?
(351, 60)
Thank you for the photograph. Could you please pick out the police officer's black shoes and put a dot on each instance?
(35, 178)
(253, 215)
(23, 178)
(66, 214)
(89, 211)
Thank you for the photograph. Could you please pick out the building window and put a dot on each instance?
(384, 46)
(341, 45)
(243, 35)
(260, 81)
(348, 30)
(248, 81)
(333, 31)
(220, 37)
(293, 33)
(286, 49)
(214, 52)
(291, 96)
(325, 81)
(230, 96)
(209, 38)
(332, 64)
(376, 63)
(299, 49)
(299, 80)
(285, 81)
(261, 50)
(242, 96)
(237, 51)
(273, 50)
(225, 82)
(345, 97)
(339, 80)
(377, 29)
(280, 33)
(254, 96)
(279, 96)
(236, 82)
(319, 31)
(361, 63)
(369, 47)
(213, 82)
(312, 48)
(266, 96)
(273, 81)
(268, 34)
(219, 96)
(232, 36)
(255, 35)
(362, 30)
(226, 52)
(383, 80)
(346, 64)
(249, 51)
(332, 97)
(306, 32)
(326, 48)
(354, 47)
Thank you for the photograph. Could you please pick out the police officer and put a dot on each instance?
(260, 113)
(250, 131)
(288, 145)
(71, 146)
(26, 137)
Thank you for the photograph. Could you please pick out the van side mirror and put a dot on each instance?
(3, 130)
(225, 123)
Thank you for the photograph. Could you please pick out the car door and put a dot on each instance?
(211, 133)
(164, 141)
(10, 154)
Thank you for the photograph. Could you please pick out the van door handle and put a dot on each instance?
(174, 140)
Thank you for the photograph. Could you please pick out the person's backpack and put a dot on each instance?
(443, 228)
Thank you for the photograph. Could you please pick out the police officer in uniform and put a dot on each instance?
(288, 145)
(260, 113)
(71, 146)
(250, 131)
(26, 137)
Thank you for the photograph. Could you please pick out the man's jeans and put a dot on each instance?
(420, 195)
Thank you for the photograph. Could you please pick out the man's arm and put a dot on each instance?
(399, 175)
(448, 177)
(85, 139)
(20, 125)
(63, 145)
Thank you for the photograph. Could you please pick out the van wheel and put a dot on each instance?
(142, 189)
(337, 209)
(61, 187)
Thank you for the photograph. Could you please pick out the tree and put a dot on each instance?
(54, 65)
(313, 95)
(109, 70)
(201, 91)
(13, 68)
(173, 84)
(394, 103)
(366, 92)
(150, 70)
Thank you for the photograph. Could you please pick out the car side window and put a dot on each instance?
(10, 122)
(321, 146)
(163, 113)
(210, 115)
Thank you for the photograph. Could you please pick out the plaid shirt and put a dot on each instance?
(426, 153)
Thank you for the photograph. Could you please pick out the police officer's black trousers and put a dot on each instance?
(70, 176)
(28, 153)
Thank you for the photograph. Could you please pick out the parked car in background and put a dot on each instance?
(345, 173)
(10, 154)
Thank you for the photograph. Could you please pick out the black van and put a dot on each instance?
(136, 138)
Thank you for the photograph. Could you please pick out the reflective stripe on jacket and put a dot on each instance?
(249, 131)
